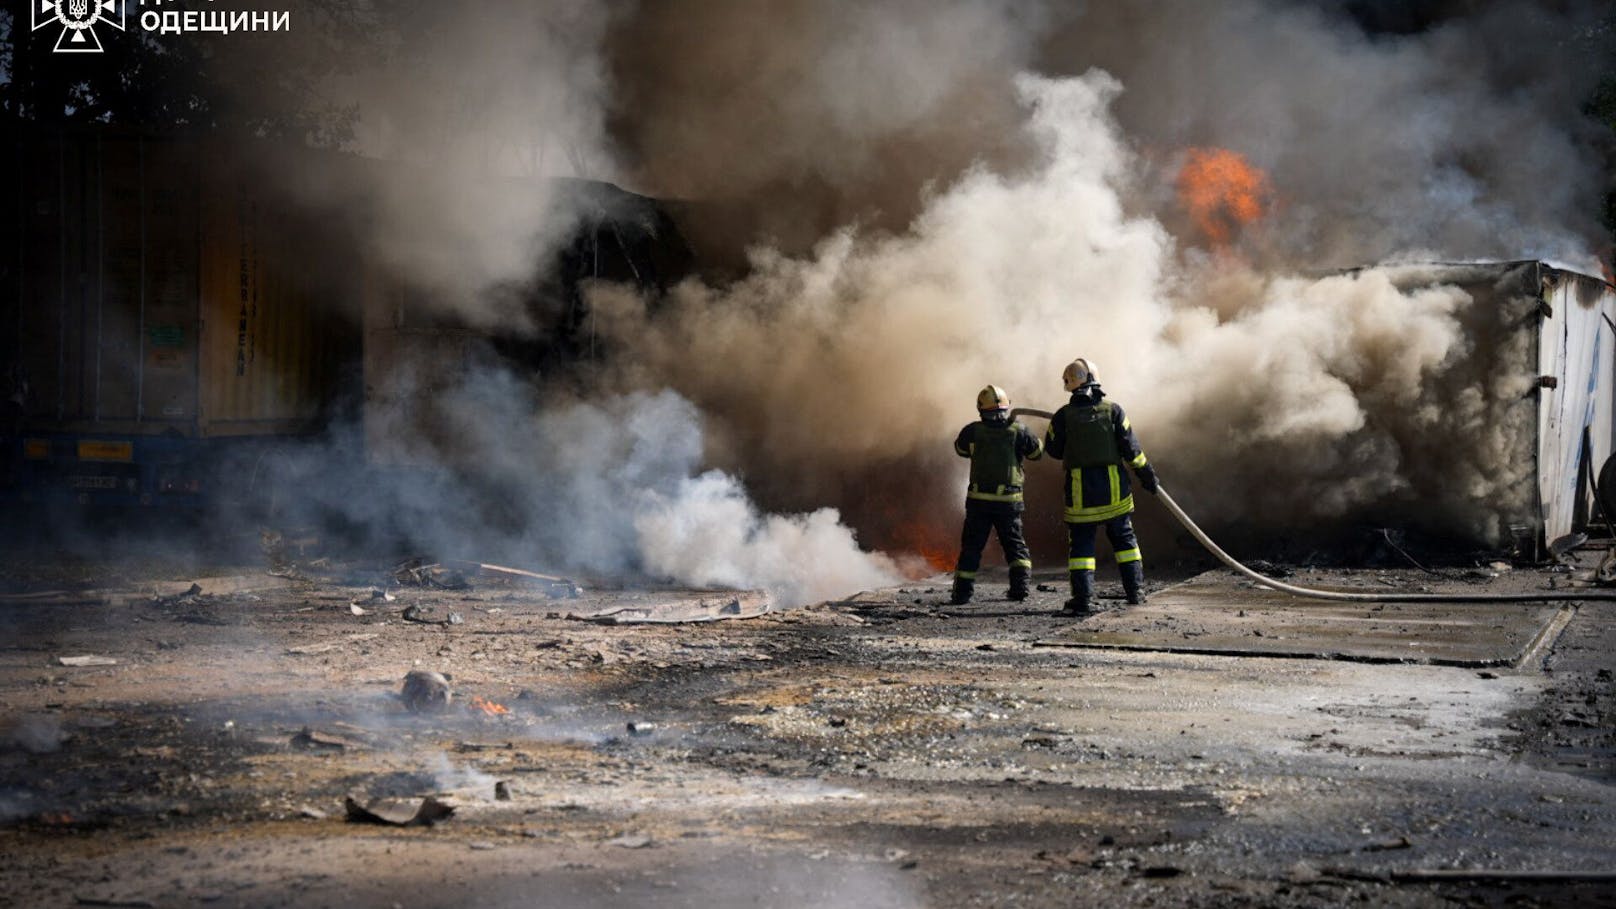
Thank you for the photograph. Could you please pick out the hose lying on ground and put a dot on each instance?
(1342, 595)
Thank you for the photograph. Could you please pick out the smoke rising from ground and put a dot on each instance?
(612, 487)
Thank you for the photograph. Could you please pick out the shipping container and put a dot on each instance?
(166, 317)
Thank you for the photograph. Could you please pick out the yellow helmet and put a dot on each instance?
(992, 398)
(1080, 372)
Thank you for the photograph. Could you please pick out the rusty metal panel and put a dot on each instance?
(168, 323)
(158, 290)
(273, 339)
(117, 371)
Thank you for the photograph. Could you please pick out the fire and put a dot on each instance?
(927, 541)
(1223, 192)
(489, 707)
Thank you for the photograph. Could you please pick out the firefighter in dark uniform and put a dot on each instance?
(1093, 439)
(993, 501)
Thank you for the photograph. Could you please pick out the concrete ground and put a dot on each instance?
(887, 750)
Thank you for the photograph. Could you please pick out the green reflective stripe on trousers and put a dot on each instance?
(1021, 563)
(965, 575)
(1139, 460)
(1080, 564)
(1128, 555)
(1111, 473)
(1099, 512)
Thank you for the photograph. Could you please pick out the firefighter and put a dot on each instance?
(993, 502)
(1093, 439)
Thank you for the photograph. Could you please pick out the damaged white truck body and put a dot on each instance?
(1548, 335)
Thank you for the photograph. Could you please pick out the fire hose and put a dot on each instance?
(1342, 595)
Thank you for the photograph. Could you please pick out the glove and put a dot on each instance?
(1147, 479)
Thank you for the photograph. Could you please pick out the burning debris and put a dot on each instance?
(487, 707)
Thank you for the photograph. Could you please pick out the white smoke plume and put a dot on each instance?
(611, 487)
(1270, 397)
(936, 196)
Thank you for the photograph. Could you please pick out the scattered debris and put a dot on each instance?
(1563, 546)
(555, 586)
(744, 605)
(189, 592)
(86, 660)
(1605, 574)
(426, 692)
(502, 791)
(312, 740)
(312, 813)
(427, 615)
(637, 727)
(1270, 569)
(630, 841)
(398, 812)
(356, 609)
(416, 572)
(1401, 842)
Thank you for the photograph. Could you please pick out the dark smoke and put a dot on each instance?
(917, 199)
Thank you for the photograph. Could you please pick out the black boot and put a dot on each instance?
(1133, 581)
(1018, 582)
(1082, 593)
(963, 588)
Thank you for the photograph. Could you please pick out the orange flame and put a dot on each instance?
(1223, 192)
(489, 707)
(927, 541)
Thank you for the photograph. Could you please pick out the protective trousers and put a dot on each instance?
(1080, 559)
(981, 519)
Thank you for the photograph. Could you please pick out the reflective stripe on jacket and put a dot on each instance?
(1094, 439)
(996, 452)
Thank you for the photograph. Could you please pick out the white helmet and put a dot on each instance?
(992, 398)
(1080, 372)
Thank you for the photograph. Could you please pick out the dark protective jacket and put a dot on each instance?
(1093, 439)
(996, 450)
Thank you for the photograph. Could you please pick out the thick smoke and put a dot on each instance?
(465, 115)
(1463, 140)
(609, 488)
(935, 196)
(1284, 385)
